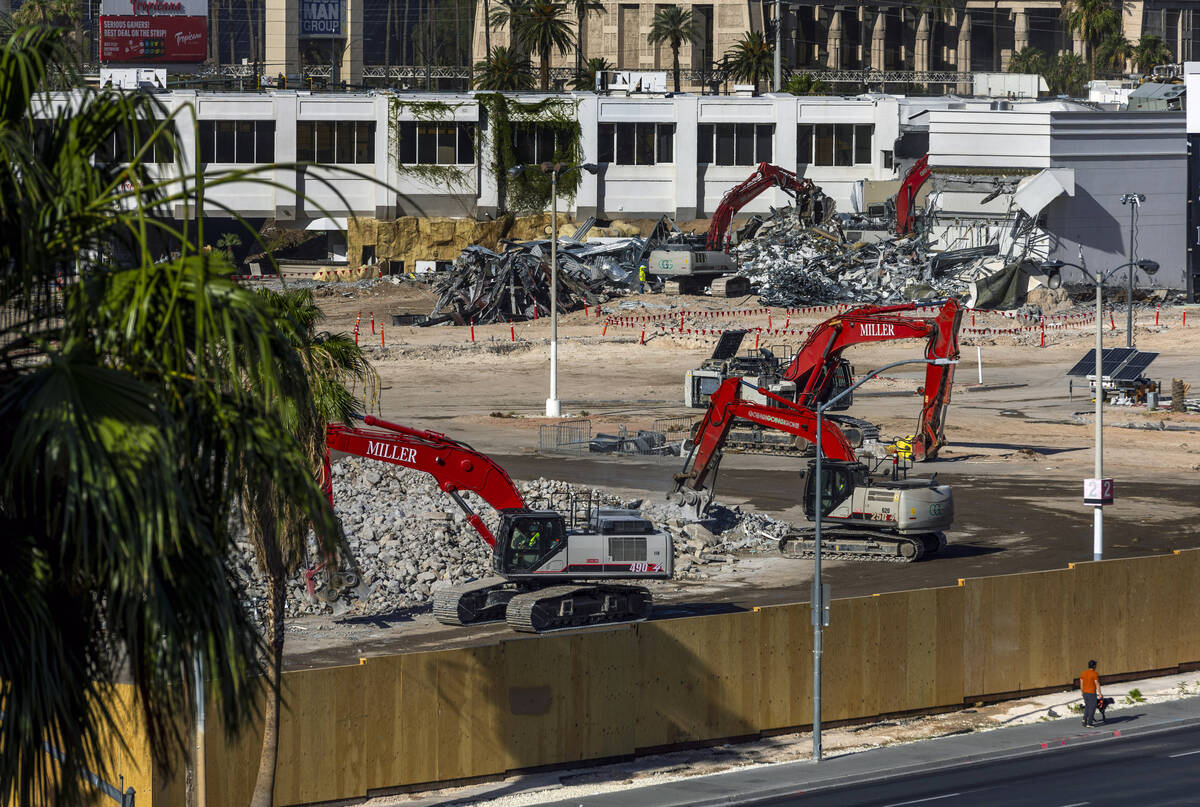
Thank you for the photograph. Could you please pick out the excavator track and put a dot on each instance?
(843, 544)
(473, 603)
(566, 607)
(748, 438)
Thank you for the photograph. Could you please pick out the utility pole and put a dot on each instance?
(778, 46)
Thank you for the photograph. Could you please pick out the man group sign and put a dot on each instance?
(321, 18)
(153, 30)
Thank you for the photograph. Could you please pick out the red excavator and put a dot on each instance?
(540, 561)
(812, 206)
(899, 520)
(818, 372)
(688, 268)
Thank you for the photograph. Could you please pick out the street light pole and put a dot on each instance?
(1053, 268)
(818, 597)
(553, 407)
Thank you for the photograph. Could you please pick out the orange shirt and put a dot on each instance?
(1088, 679)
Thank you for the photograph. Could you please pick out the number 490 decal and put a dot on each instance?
(645, 567)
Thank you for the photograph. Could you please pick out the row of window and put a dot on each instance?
(335, 142)
(236, 141)
(834, 143)
(734, 143)
(636, 143)
(117, 147)
(351, 142)
(422, 143)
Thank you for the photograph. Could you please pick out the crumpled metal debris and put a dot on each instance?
(792, 265)
(487, 286)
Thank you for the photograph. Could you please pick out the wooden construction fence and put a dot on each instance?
(429, 717)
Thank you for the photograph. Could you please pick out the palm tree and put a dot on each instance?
(1113, 52)
(278, 529)
(1066, 75)
(503, 71)
(583, 8)
(585, 79)
(1092, 20)
(1150, 51)
(130, 422)
(751, 59)
(508, 14)
(1028, 60)
(542, 30)
(673, 26)
(805, 84)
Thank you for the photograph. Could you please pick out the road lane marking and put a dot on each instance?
(1184, 754)
(921, 801)
(1077, 804)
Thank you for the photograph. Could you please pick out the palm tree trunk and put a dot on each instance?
(545, 60)
(264, 785)
(579, 12)
(675, 63)
(487, 31)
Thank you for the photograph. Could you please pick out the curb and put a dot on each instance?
(889, 774)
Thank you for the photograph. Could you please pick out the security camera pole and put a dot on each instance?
(1134, 200)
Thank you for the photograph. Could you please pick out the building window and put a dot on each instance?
(841, 144)
(118, 149)
(335, 142)
(735, 143)
(636, 143)
(435, 143)
(241, 141)
(887, 159)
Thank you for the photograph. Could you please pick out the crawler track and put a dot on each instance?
(843, 544)
(565, 607)
(472, 603)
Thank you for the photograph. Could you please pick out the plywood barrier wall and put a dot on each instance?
(422, 718)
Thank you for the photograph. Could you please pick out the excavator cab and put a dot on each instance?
(838, 481)
(526, 539)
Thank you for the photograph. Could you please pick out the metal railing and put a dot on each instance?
(571, 437)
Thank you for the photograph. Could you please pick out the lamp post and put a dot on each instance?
(778, 77)
(818, 597)
(1054, 280)
(555, 170)
(1134, 200)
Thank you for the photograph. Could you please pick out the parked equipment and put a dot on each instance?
(898, 520)
(906, 214)
(550, 575)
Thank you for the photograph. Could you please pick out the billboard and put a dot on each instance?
(322, 18)
(153, 30)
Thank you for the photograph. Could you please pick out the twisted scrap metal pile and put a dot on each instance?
(486, 286)
(791, 264)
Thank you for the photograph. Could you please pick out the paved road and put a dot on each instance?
(1152, 770)
(1146, 756)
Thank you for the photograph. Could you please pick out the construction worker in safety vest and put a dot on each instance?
(526, 544)
(642, 278)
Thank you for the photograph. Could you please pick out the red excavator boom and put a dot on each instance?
(906, 218)
(765, 176)
(814, 367)
(725, 406)
(456, 466)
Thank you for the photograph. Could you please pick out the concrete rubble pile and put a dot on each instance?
(494, 287)
(793, 265)
(409, 539)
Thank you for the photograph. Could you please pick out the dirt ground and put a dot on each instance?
(1019, 444)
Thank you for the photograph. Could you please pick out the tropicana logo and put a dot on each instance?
(147, 7)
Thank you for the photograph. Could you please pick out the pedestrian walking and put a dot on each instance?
(1089, 686)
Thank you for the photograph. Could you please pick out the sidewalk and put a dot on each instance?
(775, 781)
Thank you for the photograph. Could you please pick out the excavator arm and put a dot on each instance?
(807, 195)
(456, 466)
(724, 407)
(918, 175)
(815, 364)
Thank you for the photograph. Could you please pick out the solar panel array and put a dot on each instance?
(1120, 363)
(1135, 367)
